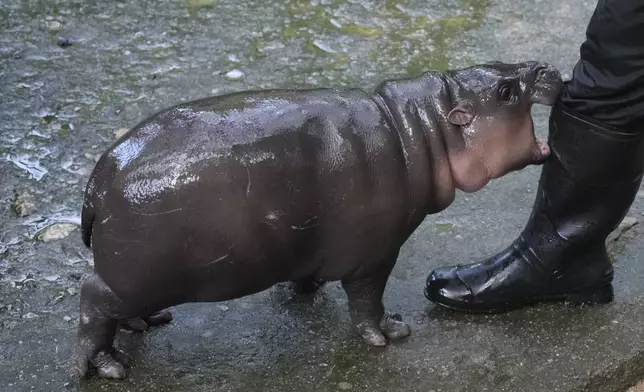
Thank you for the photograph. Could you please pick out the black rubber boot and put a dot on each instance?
(586, 188)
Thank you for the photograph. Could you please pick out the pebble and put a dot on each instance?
(324, 46)
(24, 204)
(56, 232)
(223, 307)
(345, 386)
(53, 25)
(67, 318)
(235, 74)
(92, 157)
(29, 316)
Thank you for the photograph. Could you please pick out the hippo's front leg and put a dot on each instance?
(366, 309)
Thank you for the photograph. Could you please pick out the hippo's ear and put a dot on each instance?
(461, 115)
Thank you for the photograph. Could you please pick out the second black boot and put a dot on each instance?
(585, 190)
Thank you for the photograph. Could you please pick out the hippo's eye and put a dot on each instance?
(505, 93)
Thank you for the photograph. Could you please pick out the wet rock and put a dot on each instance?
(24, 204)
(56, 232)
(235, 75)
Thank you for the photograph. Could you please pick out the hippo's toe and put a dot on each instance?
(159, 318)
(393, 327)
(142, 324)
(135, 324)
(371, 335)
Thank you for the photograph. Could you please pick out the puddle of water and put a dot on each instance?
(37, 224)
(29, 164)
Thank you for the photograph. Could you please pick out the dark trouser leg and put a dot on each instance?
(586, 187)
(608, 80)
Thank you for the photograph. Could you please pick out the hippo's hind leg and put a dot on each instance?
(100, 310)
(367, 312)
(141, 324)
(307, 285)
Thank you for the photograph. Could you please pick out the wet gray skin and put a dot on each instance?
(226, 196)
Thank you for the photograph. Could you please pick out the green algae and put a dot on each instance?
(400, 40)
(445, 227)
(441, 32)
(360, 30)
(198, 4)
(257, 46)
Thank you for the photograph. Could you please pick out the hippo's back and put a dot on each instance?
(321, 127)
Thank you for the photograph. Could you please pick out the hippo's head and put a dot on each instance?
(491, 108)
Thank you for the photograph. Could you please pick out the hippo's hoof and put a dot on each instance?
(393, 327)
(135, 324)
(111, 364)
(371, 335)
(141, 324)
(159, 318)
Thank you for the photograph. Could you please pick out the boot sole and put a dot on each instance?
(591, 296)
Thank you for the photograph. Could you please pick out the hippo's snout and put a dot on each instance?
(547, 84)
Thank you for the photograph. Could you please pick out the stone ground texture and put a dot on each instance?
(76, 74)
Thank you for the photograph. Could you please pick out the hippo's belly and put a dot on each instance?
(281, 189)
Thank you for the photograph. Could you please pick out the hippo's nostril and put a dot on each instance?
(542, 72)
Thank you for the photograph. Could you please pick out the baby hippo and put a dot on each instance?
(226, 196)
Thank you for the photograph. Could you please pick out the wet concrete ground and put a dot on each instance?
(76, 73)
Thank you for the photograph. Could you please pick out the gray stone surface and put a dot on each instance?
(75, 73)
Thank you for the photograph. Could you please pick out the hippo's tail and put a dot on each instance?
(88, 214)
(87, 221)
